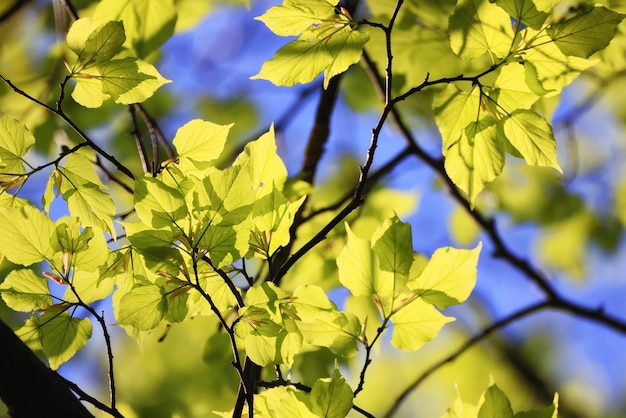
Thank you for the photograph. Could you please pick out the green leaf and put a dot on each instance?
(393, 245)
(512, 90)
(524, 11)
(293, 17)
(151, 81)
(532, 136)
(148, 23)
(225, 245)
(25, 235)
(271, 343)
(199, 144)
(90, 286)
(415, 324)
(88, 90)
(302, 60)
(555, 70)
(359, 271)
(143, 307)
(120, 76)
(272, 216)
(105, 42)
(77, 35)
(477, 27)
(549, 412)
(495, 404)
(225, 197)
(448, 278)
(455, 109)
(83, 191)
(267, 170)
(282, 402)
(158, 205)
(30, 333)
(331, 397)
(337, 331)
(63, 336)
(25, 291)
(15, 141)
(476, 158)
(586, 33)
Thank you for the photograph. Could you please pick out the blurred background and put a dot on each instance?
(570, 226)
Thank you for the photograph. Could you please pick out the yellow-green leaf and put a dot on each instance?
(293, 17)
(415, 324)
(532, 136)
(477, 27)
(331, 397)
(63, 336)
(15, 140)
(448, 278)
(25, 291)
(25, 234)
(200, 143)
(143, 307)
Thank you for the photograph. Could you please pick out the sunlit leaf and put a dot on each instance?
(525, 11)
(105, 42)
(495, 404)
(25, 291)
(416, 324)
(293, 17)
(148, 23)
(476, 158)
(143, 307)
(477, 27)
(25, 234)
(532, 136)
(63, 336)
(448, 278)
(331, 397)
(15, 140)
(158, 205)
(586, 33)
(199, 143)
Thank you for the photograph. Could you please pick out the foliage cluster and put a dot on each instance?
(196, 228)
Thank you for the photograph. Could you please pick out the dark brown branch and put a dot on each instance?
(28, 387)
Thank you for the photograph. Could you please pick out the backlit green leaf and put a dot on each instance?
(143, 307)
(586, 33)
(302, 60)
(85, 195)
(392, 244)
(455, 109)
(415, 324)
(225, 244)
(282, 402)
(158, 205)
(532, 136)
(25, 291)
(477, 27)
(337, 331)
(512, 90)
(105, 42)
(524, 11)
(293, 17)
(267, 170)
(77, 36)
(359, 269)
(495, 404)
(448, 278)
(225, 197)
(63, 336)
(476, 158)
(120, 76)
(148, 23)
(331, 397)
(199, 143)
(25, 235)
(15, 140)
(88, 90)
